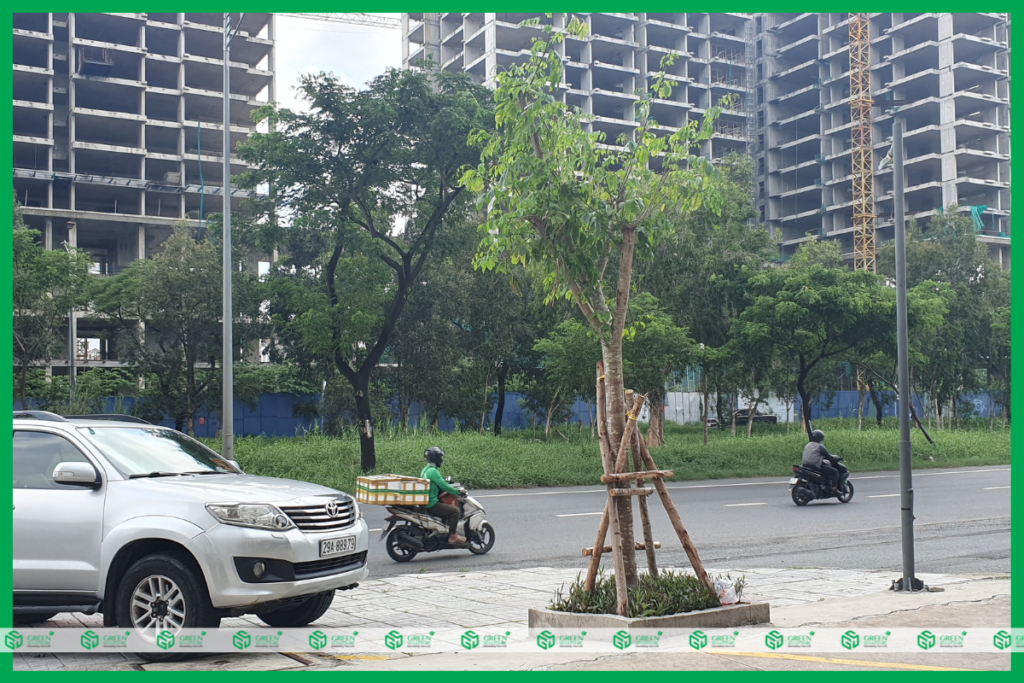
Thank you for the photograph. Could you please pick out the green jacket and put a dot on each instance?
(436, 482)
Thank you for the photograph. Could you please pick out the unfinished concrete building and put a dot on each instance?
(605, 69)
(945, 76)
(790, 74)
(118, 132)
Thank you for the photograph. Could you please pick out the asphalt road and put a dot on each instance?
(962, 526)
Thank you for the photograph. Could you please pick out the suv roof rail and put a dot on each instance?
(38, 415)
(110, 418)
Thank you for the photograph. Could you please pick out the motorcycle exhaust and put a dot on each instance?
(410, 542)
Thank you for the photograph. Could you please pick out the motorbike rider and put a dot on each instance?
(816, 456)
(449, 513)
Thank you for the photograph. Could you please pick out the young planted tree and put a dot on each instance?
(46, 286)
(814, 312)
(556, 195)
(368, 177)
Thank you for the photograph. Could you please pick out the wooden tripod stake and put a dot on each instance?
(620, 483)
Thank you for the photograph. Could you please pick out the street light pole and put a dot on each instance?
(906, 485)
(228, 409)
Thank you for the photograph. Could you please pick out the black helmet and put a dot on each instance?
(434, 455)
(817, 435)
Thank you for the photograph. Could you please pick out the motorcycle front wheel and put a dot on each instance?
(397, 552)
(846, 494)
(482, 540)
(801, 495)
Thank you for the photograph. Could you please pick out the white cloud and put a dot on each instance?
(355, 54)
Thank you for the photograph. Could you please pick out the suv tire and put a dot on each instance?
(299, 615)
(174, 587)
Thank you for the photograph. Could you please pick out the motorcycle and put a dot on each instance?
(412, 530)
(809, 484)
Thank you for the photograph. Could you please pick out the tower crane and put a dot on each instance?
(861, 149)
(357, 18)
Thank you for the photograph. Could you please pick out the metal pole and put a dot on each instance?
(906, 486)
(71, 347)
(228, 409)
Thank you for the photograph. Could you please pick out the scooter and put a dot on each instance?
(809, 484)
(412, 530)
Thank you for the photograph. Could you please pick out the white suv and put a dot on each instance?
(158, 532)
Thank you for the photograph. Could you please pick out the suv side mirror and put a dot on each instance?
(77, 474)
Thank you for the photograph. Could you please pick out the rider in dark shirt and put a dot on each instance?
(817, 456)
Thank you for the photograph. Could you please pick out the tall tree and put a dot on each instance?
(700, 271)
(369, 175)
(168, 315)
(653, 348)
(46, 286)
(813, 312)
(949, 252)
(568, 357)
(555, 194)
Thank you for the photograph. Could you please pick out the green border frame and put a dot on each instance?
(1017, 476)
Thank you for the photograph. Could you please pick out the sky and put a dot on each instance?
(354, 53)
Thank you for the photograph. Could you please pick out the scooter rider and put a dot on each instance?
(449, 513)
(818, 457)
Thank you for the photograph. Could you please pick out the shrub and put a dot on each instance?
(671, 592)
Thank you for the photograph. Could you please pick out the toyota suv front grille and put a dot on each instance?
(330, 515)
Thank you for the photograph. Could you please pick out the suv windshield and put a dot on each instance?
(148, 450)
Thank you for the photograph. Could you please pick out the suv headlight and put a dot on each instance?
(256, 516)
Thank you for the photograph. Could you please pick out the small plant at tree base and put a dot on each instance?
(670, 592)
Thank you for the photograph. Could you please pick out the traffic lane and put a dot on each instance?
(529, 531)
(756, 509)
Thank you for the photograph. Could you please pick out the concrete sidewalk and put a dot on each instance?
(500, 600)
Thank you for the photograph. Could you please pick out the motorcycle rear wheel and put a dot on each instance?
(483, 540)
(801, 495)
(846, 495)
(397, 552)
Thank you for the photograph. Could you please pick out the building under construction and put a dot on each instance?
(118, 131)
(816, 128)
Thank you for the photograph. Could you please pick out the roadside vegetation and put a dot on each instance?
(518, 459)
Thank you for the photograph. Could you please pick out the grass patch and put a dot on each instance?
(670, 592)
(518, 460)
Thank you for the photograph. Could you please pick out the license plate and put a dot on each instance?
(337, 546)
(793, 480)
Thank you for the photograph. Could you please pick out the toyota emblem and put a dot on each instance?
(332, 508)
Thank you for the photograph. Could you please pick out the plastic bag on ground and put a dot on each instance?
(726, 589)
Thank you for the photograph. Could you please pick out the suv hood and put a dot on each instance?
(231, 488)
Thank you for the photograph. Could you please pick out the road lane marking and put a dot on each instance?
(887, 495)
(994, 488)
(581, 514)
(833, 660)
(372, 530)
(717, 486)
(743, 505)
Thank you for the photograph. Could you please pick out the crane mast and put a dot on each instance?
(861, 150)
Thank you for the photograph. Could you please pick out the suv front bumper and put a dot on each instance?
(223, 551)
